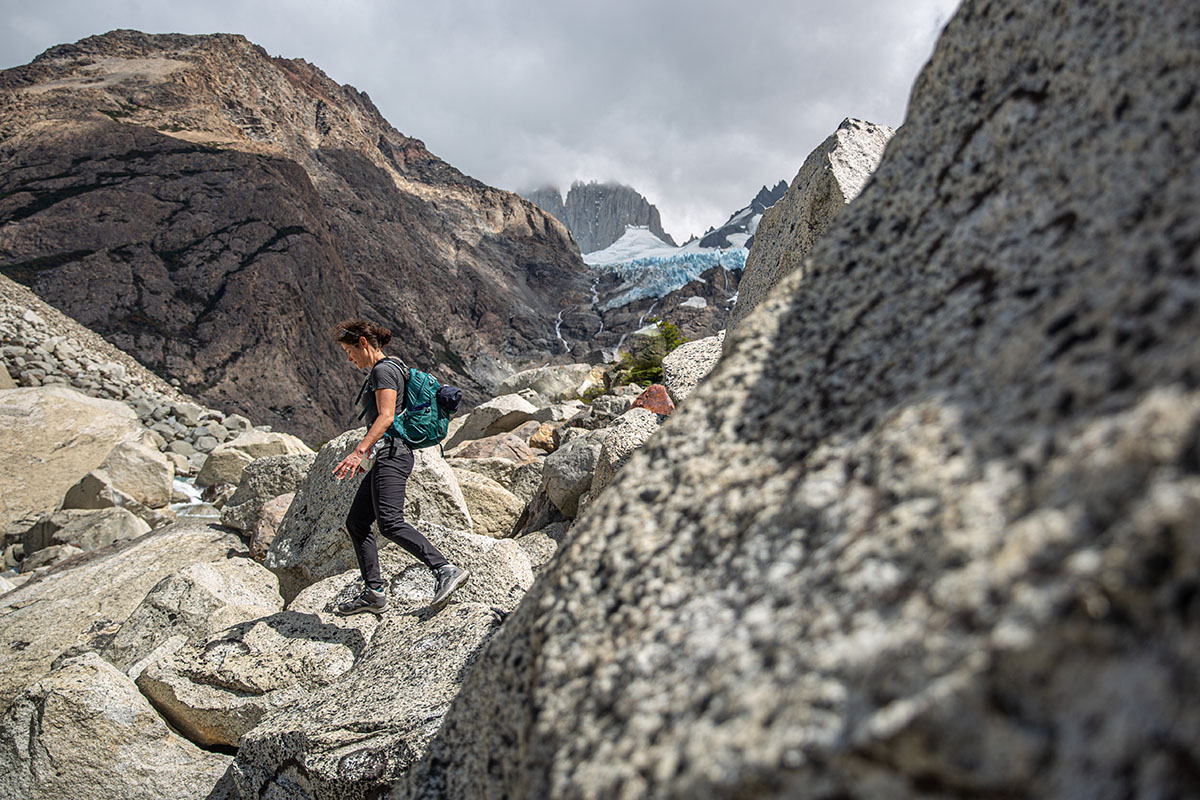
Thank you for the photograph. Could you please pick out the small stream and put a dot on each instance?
(194, 506)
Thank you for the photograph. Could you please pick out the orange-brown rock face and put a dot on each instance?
(655, 399)
(214, 211)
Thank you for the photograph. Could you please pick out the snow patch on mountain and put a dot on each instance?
(637, 242)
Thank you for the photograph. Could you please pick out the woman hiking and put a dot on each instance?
(380, 496)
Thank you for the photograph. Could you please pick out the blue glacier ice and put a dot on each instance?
(656, 276)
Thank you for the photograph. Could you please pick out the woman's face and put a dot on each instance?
(357, 353)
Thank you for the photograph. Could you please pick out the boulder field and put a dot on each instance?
(215, 682)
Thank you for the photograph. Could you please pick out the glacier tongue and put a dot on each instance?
(658, 275)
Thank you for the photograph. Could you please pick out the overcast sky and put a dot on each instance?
(696, 104)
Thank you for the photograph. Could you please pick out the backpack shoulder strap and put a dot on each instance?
(405, 371)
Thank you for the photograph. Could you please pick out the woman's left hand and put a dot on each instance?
(349, 466)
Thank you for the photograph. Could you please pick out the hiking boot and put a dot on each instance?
(449, 578)
(367, 600)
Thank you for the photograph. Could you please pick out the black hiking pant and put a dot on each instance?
(380, 498)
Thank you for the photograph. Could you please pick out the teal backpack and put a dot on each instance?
(425, 415)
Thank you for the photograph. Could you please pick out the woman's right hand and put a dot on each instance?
(349, 465)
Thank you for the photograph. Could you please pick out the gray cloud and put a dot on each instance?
(695, 104)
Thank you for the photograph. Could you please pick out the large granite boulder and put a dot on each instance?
(932, 525)
(521, 478)
(44, 617)
(96, 490)
(226, 461)
(629, 432)
(498, 415)
(87, 529)
(266, 526)
(500, 570)
(602, 411)
(263, 480)
(494, 509)
(48, 557)
(356, 736)
(568, 471)
(84, 731)
(50, 437)
(541, 545)
(198, 600)
(312, 542)
(139, 470)
(685, 366)
(513, 445)
(556, 383)
(215, 689)
(831, 177)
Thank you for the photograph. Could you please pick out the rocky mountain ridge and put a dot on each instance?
(214, 211)
(598, 213)
(744, 222)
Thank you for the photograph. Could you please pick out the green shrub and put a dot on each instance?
(672, 336)
(645, 368)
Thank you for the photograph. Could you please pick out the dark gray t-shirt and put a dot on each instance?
(387, 374)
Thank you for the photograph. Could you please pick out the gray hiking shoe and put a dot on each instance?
(367, 600)
(449, 578)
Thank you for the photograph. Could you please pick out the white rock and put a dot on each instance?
(568, 470)
(554, 383)
(629, 432)
(86, 529)
(830, 178)
(226, 461)
(262, 480)
(365, 730)
(49, 557)
(270, 517)
(498, 415)
(216, 689)
(522, 479)
(142, 472)
(541, 545)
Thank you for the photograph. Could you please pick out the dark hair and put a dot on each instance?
(349, 331)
